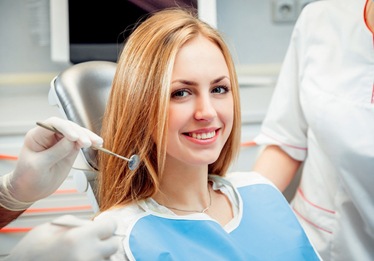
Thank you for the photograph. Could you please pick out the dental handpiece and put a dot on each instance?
(133, 161)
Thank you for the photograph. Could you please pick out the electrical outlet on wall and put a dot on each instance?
(284, 11)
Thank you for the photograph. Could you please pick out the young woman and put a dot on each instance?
(175, 103)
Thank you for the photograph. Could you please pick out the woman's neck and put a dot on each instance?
(184, 187)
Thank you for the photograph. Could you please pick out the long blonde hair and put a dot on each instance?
(136, 116)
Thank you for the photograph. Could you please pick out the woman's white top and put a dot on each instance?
(322, 113)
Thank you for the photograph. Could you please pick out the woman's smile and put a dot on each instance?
(203, 136)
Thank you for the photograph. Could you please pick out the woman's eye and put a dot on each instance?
(179, 94)
(220, 89)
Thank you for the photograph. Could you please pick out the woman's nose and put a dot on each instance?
(205, 109)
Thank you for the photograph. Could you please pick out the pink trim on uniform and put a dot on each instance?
(299, 190)
(311, 223)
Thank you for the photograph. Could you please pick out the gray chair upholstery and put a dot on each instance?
(81, 92)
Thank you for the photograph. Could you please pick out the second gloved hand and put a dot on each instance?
(91, 241)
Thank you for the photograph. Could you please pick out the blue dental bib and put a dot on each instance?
(268, 230)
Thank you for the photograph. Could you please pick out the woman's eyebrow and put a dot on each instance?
(219, 79)
(187, 82)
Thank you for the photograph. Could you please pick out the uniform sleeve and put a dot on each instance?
(284, 124)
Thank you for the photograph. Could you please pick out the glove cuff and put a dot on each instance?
(7, 200)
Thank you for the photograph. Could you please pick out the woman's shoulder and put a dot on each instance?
(333, 13)
(241, 179)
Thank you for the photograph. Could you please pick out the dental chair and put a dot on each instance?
(81, 92)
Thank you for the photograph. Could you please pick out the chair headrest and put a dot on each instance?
(82, 91)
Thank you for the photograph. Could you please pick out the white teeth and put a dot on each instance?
(203, 136)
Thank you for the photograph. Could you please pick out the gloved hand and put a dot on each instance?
(45, 161)
(91, 241)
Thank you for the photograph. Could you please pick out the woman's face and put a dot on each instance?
(201, 104)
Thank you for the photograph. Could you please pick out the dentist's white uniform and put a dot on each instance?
(322, 112)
